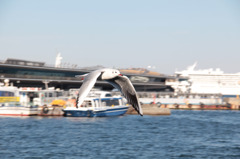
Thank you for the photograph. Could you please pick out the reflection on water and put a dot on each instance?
(183, 134)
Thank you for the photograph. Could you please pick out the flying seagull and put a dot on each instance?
(115, 78)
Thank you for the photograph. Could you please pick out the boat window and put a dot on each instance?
(87, 104)
(111, 102)
(6, 93)
(59, 94)
(31, 94)
(96, 103)
(108, 95)
(48, 94)
(104, 104)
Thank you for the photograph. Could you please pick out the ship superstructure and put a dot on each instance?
(206, 81)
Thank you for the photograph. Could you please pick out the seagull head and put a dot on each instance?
(108, 74)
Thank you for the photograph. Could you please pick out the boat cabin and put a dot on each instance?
(103, 102)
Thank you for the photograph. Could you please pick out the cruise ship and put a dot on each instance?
(206, 81)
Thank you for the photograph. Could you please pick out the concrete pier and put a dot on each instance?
(150, 109)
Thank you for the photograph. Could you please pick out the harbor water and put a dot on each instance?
(184, 134)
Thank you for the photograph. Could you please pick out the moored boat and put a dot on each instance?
(16, 109)
(98, 107)
(10, 102)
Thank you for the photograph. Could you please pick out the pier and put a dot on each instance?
(150, 109)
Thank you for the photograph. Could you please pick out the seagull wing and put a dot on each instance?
(88, 82)
(124, 85)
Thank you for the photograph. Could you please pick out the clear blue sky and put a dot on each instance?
(167, 34)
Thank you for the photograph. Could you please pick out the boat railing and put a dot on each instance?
(17, 104)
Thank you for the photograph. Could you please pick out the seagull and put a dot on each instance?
(116, 79)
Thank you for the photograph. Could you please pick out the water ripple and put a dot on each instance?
(183, 134)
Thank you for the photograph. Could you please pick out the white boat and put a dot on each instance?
(16, 109)
(98, 107)
(10, 102)
(37, 96)
(46, 100)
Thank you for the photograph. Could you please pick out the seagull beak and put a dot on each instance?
(120, 75)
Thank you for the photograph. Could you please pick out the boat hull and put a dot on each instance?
(18, 111)
(99, 112)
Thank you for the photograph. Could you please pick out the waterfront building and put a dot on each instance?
(23, 73)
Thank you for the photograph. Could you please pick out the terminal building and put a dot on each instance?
(23, 73)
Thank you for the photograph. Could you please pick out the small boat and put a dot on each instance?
(10, 102)
(98, 107)
(16, 109)
(50, 102)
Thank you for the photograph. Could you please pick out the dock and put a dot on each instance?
(150, 109)
(228, 104)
